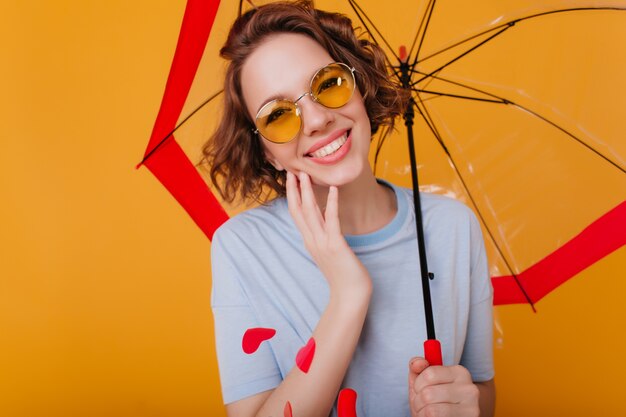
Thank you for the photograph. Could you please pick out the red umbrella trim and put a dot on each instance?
(181, 178)
(599, 239)
(168, 162)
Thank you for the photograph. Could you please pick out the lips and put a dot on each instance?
(332, 151)
(332, 147)
(326, 141)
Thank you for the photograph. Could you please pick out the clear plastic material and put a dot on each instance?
(519, 114)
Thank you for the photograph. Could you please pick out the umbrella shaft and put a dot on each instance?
(408, 121)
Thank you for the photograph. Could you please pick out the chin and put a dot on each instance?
(340, 178)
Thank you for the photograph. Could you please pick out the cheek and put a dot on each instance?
(281, 155)
(363, 119)
(359, 111)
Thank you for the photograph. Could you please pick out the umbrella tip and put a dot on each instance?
(139, 165)
(403, 54)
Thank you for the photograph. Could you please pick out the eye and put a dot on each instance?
(329, 83)
(276, 114)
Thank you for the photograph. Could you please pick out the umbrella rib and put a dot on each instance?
(461, 42)
(504, 100)
(503, 27)
(360, 11)
(568, 133)
(463, 54)
(396, 71)
(431, 125)
(437, 93)
(514, 21)
(425, 21)
(158, 145)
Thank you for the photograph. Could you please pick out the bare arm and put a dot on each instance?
(313, 393)
(339, 328)
(487, 397)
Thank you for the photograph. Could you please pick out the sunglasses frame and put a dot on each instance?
(308, 93)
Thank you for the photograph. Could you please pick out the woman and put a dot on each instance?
(331, 261)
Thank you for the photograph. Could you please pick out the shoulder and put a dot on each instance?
(256, 223)
(445, 206)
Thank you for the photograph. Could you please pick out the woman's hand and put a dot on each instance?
(441, 391)
(322, 237)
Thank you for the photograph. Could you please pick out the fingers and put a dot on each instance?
(293, 194)
(331, 214)
(306, 212)
(440, 390)
(294, 202)
(448, 410)
(435, 375)
(417, 365)
(310, 208)
(464, 394)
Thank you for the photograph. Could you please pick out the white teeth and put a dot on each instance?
(332, 147)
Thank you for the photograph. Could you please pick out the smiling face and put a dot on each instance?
(333, 144)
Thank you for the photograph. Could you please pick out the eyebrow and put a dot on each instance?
(272, 98)
(282, 97)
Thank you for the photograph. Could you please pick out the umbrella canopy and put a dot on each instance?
(517, 114)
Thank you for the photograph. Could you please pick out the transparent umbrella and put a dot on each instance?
(518, 112)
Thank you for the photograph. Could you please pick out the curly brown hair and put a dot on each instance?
(234, 153)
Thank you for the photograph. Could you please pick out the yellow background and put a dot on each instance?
(104, 280)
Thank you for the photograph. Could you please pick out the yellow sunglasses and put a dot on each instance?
(332, 86)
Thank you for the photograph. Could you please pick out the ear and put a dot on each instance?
(269, 157)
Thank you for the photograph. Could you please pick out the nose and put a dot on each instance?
(315, 117)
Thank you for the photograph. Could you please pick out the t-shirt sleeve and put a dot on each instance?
(241, 374)
(478, 350)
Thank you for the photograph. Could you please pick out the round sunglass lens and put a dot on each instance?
(333, 85)
(278, 121)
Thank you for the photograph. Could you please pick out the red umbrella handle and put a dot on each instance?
(432, 351)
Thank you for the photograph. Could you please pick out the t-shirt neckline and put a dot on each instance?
(389, 229)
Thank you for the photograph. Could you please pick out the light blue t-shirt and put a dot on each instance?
(264, 277)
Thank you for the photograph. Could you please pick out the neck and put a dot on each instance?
(364, 205)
